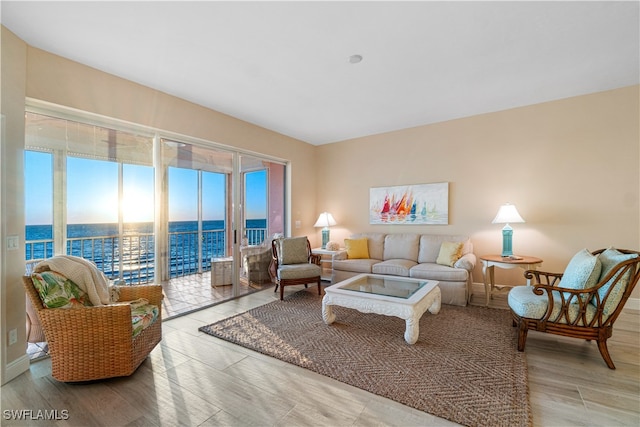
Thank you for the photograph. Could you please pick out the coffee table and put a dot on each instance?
(401, 297)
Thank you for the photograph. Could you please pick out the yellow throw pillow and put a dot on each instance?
(357, 248)
(450, 252)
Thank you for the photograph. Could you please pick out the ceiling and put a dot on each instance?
(285, 65)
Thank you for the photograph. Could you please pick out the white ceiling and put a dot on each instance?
(284, 65)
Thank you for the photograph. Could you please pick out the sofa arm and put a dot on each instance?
(339, 256)
(467, 261)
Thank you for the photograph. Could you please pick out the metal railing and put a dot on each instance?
(132, 257)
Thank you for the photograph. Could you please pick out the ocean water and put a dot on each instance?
(101, 244)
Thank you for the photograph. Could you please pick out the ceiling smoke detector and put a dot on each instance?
(354, 59)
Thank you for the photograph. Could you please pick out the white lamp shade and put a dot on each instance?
(325, 220)
(506, 214)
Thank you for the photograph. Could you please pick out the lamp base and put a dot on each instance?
(507, 233)
(325, 237)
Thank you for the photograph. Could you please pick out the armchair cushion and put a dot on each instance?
(57, 291)
(357, 248)
(142, 316)
(450, 253)
(525, 303)
(609, 259)
(293, 251)
(582, 272)
(298, 271)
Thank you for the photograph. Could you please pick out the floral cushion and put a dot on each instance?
(142, 316)
(56, 291)
(609, 259)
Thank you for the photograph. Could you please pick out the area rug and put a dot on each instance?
(465, 366)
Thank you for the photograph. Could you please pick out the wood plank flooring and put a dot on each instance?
(193, 379)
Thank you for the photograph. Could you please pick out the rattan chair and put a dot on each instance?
(92, 343)
(294, 264)
(587, 314)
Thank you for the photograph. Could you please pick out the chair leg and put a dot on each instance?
(281, 292)
(319, 287)
(522, 334)
(604, 351)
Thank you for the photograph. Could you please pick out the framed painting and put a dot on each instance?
(410, 204)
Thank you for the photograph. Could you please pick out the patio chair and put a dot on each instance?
(583, 302)
(294, 264)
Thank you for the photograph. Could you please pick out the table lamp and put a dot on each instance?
(506, 214)
(325, 220)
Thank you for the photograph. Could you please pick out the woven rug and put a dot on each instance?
(465, 366)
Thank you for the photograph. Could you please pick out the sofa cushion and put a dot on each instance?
(430, 246)
(293, 250)
(357, 248)
(56, 291)
(609, 259)
(450, 253)
(582, 272)
(394, 267)
(355, 265)
(433, 271)
(375, 242)
(401, 246)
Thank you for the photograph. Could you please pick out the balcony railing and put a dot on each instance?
(132, 258)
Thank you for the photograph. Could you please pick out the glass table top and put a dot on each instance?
(387, 286)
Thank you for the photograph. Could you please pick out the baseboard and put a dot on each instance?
(16, 368)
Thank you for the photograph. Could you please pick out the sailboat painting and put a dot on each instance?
(410, 204)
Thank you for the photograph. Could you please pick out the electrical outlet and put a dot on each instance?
(298, 224)
(13, 336)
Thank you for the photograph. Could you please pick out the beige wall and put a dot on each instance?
(571, 167)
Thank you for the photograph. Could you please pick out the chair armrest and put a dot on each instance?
(543, 277)
(315, 259)
(467, 261)
(339, 256)
(152, 293)
(109, 320)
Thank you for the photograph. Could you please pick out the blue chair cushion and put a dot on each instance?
(582, 272)
(609, 259)
(525, 303)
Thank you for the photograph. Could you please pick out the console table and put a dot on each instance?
(489, 262)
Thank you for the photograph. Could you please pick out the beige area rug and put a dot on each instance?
(465, 366)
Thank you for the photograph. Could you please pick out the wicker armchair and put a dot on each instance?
(92, 343)
(588, 313)
(294, 264)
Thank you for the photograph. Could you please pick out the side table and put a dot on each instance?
(489, 262)
(221, 271)
(326, 261)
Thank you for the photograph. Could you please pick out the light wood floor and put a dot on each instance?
(193, 379)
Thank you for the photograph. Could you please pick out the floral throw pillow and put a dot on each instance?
(56, 291)
(142, 316)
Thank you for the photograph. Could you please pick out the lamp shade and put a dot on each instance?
(325, 220)
(506, 214)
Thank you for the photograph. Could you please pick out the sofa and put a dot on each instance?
(448, 259)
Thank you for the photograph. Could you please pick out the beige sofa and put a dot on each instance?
(412, 255)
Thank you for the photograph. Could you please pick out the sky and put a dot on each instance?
(92, 192)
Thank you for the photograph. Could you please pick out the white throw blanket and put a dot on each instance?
(83, 273)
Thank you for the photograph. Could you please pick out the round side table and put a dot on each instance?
(489, 262)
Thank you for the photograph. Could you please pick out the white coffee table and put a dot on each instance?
(402, 297)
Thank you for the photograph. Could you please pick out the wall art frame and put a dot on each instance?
(416, 204)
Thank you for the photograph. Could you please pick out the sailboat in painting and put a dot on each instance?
(399, 205)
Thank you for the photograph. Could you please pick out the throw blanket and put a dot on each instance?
(83, 273)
